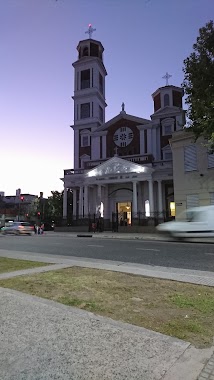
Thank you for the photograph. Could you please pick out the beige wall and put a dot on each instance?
(200, 181)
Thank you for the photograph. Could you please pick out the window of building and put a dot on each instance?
(85, 79)
(166, 100)
(92, 77)
(85, 51)
(101, 114)
(190, 158)
(167, 126)
(85, 141)
(167, 129)
(94, 50)
(123, 136)
(85, 110)
(192, 200)
(167, 153)
(211, 160)
(212, 198)
(101, 83)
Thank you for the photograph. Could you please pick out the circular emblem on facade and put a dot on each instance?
(123, 136)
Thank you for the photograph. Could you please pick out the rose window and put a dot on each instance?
(123, 136)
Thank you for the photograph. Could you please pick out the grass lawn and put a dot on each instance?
(182, 310)
(10, 265)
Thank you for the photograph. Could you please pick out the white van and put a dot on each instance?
(195, 222)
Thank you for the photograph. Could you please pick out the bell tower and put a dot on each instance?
(89, 95)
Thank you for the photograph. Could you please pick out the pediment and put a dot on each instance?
(122, 116)
(116, 165)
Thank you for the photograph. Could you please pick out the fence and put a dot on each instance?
(93, 222)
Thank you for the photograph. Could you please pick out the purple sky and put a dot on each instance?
(142, 39)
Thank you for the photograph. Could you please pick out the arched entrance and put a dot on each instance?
(124, 211)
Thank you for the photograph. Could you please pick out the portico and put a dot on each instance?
(99, 191)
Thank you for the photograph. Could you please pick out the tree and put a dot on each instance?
(54, 205)
(198, 85)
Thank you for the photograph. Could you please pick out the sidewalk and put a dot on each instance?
(44, 340)
(176, 274)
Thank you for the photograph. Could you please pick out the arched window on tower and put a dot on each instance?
(166, 100)
(85, 51)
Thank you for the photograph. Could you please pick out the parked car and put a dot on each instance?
(17, 228)
(193, 223)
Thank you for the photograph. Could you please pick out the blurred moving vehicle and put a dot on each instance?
(193, 223)
(17, 228)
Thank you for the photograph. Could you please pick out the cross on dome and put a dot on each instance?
(90, 30)
(167, 76)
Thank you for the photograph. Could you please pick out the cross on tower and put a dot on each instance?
(90, 30)
(167, 76)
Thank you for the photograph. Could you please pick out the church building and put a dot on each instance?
(122, 167)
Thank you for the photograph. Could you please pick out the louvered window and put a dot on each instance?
(190, 158)
(211, 160)
(192, 200)
(212, 198)
(84, 110)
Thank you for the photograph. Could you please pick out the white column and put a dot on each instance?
(81, 202)
(160, 197)
(151, 197)
(134, 199)
(99, 189)
(85, 201)
(94, 196)
(65, 203)
(98, 197)
(106, 204)
(74, 203)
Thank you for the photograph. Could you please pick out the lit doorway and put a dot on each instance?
(124, 210)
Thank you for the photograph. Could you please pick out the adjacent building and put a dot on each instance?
(193, 172)
(16, 207)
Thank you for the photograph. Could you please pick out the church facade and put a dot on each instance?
(123, 167)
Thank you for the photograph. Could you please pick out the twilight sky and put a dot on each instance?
(142, 39)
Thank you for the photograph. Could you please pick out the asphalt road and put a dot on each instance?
(169, 254)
